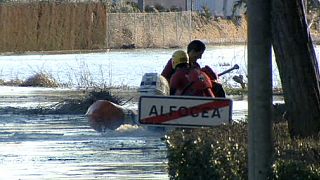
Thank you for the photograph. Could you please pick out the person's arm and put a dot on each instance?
(168, 70)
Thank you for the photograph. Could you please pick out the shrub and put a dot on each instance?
(209, 153)
(206, 14)
(124, 8)
(149, 9)
(295, 170)
(160, 8)
(40, 80)
(221, 153)
(175, 9)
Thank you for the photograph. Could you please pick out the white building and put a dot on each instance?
(221, 8)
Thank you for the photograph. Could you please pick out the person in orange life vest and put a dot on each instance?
(187, 80)
(195, 50)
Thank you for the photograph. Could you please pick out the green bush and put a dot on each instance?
(206, 13)
(294, 170)
(160, 8)
(221, 153)
(209, 153)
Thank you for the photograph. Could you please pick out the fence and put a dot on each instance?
(47, 26)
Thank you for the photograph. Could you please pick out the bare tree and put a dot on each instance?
(298, 67)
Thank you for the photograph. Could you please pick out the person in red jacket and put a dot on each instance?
(195, 50)
(187, 80)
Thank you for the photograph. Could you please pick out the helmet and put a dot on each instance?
(179, 57)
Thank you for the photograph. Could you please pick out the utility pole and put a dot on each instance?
(259, 89)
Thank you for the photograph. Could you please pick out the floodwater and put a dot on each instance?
(55, 146)
(35, 146)
(114, 67)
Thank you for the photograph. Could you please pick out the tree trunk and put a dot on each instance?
(298, 67)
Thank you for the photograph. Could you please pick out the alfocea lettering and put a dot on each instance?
(185, 111)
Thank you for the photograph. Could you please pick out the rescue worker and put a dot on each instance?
(195, 50)
(187, 80)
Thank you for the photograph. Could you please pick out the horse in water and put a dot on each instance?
(103, 114)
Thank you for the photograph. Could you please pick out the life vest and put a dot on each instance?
(212, 75)
(217, 88)
(178, 81)
(199, 84)
(191, 82)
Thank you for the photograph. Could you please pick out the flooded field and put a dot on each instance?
(114, 67)
(55, 146)
(64, 146)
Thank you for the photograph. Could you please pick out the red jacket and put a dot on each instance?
(217, 88)
(168, 71)
(191, 82)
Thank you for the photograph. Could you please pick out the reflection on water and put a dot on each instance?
(56, 146)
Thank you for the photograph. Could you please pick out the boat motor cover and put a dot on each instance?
(154, 84)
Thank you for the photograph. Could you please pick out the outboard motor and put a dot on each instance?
(154, 84)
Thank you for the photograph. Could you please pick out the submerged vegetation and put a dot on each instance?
(78, 105)
(40, 80)
(37, 80)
